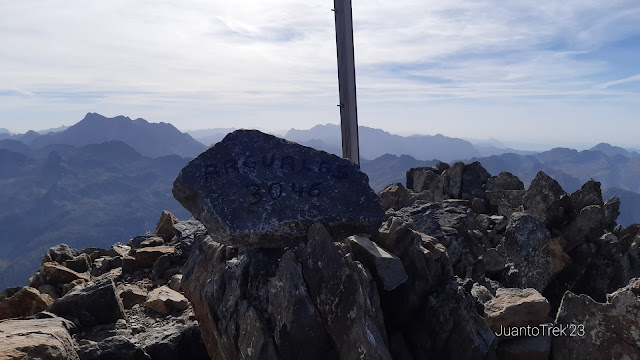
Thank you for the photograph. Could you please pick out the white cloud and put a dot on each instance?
(242, 60)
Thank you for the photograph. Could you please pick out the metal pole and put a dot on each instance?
(347, 80)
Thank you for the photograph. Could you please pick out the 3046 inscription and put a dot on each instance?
(276, 190)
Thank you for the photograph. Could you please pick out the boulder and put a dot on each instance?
(474, 178)
(93, 305)
(504, 181)
(145, 257)
(527, 247)
(452, 180)
(591, 330)
(231, 186)
(426, 179)
(506, 202)
(80, 263)
(137, 240)
(165, 224)
(525, 348)
(150, 242)
(164, 300)
(395, 196)
(60, 253)
(36, 339)
(114, 348)
(131, 294)
(310, 302)
(611, 212)
(53, 274)
(25, 302)
(588, 225)
(386, 266)
(176, 282)
(173, 342)
(514, 308)
(589, 194)
(542, 200)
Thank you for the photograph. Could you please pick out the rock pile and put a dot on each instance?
(458, 264)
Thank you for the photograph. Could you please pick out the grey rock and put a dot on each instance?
(176, 282)
(60, 253)
(113, 348)
(136, 241)
(80, 263)
(515, 308)
(386, 266)
(525, 348)
(504, 181)
(588, 225)
(395, 196)
(46, 338)
(611, 212)
(131, 295)
(494, 261)
(426, 179)
(604, 330)
(526, 246)
(52, 273)
(164, 300)
(542, 200)
(145, 257)
(474, 178)
(93, 305)
(165, 224)
(452, 180)
(506, 202)
(231, 186)
(174, 342)
(24, 302)
(588, 194)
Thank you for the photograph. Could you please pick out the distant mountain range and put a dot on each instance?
(104, 180)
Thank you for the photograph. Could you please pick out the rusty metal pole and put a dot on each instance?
(347, 81)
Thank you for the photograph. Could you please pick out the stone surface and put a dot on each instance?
(131, 295)
(504, 181)
(176, 282)
(113, 348)
(426, 179)
(525, 348)
(527, 247)
(165, 224)
(506, 202)
(145, 257)
(174, 342)
(52, 273)
(164, 300)
(474, 178)
(80, 263)
(542, 200)
(311, 302)
(386, 266)
(588, 225)
(514, 308)
(93, 305)
(610, 329)
(46, 339)
(27, 301)
(150, 242)
(60, 253)
(452, 180)
(233, 185)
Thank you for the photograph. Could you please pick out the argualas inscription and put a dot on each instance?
(256, 189)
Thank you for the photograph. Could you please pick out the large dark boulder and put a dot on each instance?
(256, 189)
(543, 200)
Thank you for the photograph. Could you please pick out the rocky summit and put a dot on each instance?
(253, 188)
(463, 265)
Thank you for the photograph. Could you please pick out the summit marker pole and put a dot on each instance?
(347, 80)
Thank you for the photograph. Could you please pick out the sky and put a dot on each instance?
(557, 72)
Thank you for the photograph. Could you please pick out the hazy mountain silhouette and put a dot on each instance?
(209, 137)
(375, 143)
(149, 139)
(92, 195)
(612, 151)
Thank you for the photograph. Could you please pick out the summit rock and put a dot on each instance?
(256, 189)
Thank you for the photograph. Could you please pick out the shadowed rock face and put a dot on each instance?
(256, 189)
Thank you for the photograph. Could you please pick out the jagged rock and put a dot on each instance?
(131, 295)
(457, 228)
(113, 348)
(611, 212)
(494, 262)
(145, 257)
(136, 241)
(24, 302)
(386, 266)
(36, 339)
(504, 181)
(128, 264)
(426, 179)
(164, 300)
(588, 225)
(311, 303)
(525, 348)
(151, 242)
(395, 196)
(176, 282)
(50, 290)
(481, 293)
(559, 258)
(187, 232)
(479, 206)
(452, 180)
(80, 263)
(52, 273)
(588, 194)
(121, 250)
(174, 343)
(60, 253)
(474, 178)
(600, 330)
(248, 174)
(92, 305)
(506, 202)
(105, 264)
(165, 224)
(527, 248)
(542, 200)
(72, 285)
(95, 253)
(514, 308)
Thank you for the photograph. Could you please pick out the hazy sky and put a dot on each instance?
(539, 71)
